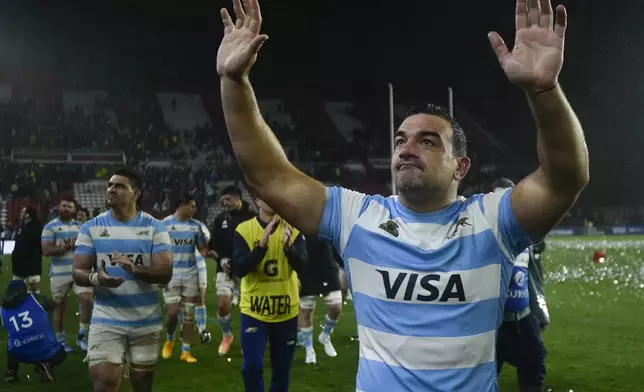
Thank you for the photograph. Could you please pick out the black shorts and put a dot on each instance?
(323, 282)
(520, 344)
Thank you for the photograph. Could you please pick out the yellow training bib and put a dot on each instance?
(270, 292)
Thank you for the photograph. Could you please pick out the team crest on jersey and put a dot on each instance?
(224, 224)
(390, 227)
(461, 222)
(104, 233)
(59, 228)
(173, 228)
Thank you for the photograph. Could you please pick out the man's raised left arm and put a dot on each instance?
(540, 201)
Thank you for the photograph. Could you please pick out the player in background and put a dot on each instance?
(132, 254)
(267, 253)
(235, 211)
(82, 215)
(201, 315)
(320, 278)
(440, 264)
(58, 242)
(26, 258)
(519, 340)
(181, 294)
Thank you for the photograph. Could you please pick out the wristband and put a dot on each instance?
(93, 279)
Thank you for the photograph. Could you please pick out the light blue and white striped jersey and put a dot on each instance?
(134, 304)
(428, 289)
(60, 234)
(186, 236)
(201, 261)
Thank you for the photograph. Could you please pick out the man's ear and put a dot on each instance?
(463, 168)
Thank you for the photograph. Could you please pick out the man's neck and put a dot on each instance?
(65, 220)
(264, 217)
(123, 214)
(178, 216)
(425, 205)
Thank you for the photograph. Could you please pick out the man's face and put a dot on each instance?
(120, 192)
(229, 202)
(23, 214)
(423, 159)
(66, 209)
(81, 216)
(188, 209)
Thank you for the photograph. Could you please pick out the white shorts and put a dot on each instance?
(134, 347)
(183, 286)
(60, 286)
(225, 284)
(332, 298)
(31, 279)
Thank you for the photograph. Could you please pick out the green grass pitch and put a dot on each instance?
(595, 341)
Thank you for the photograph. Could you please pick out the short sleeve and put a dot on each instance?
(201, 239)
(161, 240)
(498, 211)
(84, 242)
(206, 234)
(341, 212)
(47, 234)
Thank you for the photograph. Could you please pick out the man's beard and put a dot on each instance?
(407, 183)
(418, 190)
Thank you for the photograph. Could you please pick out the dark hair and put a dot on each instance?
(184, 198)
(231, 190)
(135, 182)
(459, 139)
(71, 200)
(502, 182)
(85, 210)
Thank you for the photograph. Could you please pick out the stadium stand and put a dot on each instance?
(66, 140)
(3, 213)
(91, 195)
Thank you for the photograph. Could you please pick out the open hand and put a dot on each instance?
(238, 50)
(269, 230)
(287, 237)
(124, 262)
(104, 279)
(537, 57)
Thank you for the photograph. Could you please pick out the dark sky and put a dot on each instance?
(336, 47)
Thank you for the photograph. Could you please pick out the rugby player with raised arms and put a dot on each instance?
(429, 271)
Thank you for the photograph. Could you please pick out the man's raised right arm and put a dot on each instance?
(299, 199)
(296, 197)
